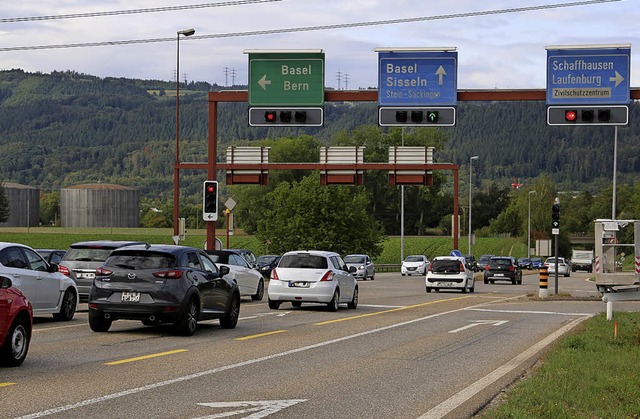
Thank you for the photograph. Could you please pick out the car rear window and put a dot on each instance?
(88, 254)
(499, 262)
(446, 266)
(304, 261)
(141, 260)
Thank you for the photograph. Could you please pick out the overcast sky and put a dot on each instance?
(495, 50)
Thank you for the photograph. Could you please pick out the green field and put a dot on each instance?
(62, 238)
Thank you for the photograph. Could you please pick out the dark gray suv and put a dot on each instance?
(163, 284)
(82, 259)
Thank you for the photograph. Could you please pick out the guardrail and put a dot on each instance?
(388, 267)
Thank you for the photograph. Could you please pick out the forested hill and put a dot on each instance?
(65, 128)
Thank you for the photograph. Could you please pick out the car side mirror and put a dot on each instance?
(5, 282)
(353, 269)
(224, 270)
(53, 267)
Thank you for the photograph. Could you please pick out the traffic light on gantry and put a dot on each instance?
(416, 116)
(588, 115)
(291, 116)
(210, 200)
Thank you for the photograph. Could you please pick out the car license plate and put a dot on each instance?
(85, 275)
(499, 274)
(130, 297)
(299, 284)
(445, 284)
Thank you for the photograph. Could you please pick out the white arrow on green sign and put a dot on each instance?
(286, 79)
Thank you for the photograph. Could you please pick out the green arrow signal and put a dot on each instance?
(432, 116)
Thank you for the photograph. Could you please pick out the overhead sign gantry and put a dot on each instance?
(588, 84)
(417, 86)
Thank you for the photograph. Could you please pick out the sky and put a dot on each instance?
(496, 49)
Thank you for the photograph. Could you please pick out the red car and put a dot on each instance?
(16, 320)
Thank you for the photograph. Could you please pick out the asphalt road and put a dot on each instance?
(402, 353)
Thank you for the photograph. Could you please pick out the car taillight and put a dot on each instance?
(327, 277)
(274, 275)
(461, 267)
(103, 272)
(64, 270)
(486, 268)
(512, 268)
(172, 274)
(431, 267)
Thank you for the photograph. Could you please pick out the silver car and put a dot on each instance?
(564, 268)
(365, 268)
(48, 291)
(313, 276)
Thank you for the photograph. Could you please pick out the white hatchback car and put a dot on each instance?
(452, 272)
(312, 276)
(48, 291)
(415, 264)
(564, 268)
(249, 280)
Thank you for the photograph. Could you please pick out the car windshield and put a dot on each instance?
(304, 261)
(446, 266)
(414, 259)
(141, 260)
(354, 259)
(86, 254)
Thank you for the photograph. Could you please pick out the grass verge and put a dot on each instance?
(592, 373)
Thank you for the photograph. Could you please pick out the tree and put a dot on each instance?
(50, 209)
(5, 211)
(307, 215)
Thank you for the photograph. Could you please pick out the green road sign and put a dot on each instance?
(286, 79)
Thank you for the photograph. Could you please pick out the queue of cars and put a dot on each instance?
(182, 285)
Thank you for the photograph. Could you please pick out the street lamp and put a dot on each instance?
(176, 170)
(471, 159)
(529, 227)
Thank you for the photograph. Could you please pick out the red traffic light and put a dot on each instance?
(211, 188)
(270, 116)
(570, 115)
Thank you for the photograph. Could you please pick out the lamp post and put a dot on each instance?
(471, 159)
(176, 170)
(529, 227)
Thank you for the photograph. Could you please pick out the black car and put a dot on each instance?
(503, 268)
(473, 263)
(162, 284)
(266, 263)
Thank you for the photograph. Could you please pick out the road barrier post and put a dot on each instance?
(544, 282)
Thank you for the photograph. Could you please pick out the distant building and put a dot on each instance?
(24, 204)
(99, 205)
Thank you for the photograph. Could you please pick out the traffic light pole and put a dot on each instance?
(212, 166)
(555, 275)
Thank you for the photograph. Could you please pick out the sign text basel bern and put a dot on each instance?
(286, 79)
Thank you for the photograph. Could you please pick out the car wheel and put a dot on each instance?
(274, 305)
(486, 281)
(464, 288)
(188, 323)
(296, 304)
(473, 288)
(514, 281)
(259, 292)
(98, 323)
(402, 274)
(353, 304)
(68, 306)
(231, 315)
(428, 289)
(333, 304)
(16, 345)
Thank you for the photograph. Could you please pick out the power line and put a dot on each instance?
(132, 11)
(316, 28)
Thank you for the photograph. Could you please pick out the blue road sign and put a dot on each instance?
(583, 76)
(455, 252)
(417, 78)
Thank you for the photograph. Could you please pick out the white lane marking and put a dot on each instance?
(478, 323)
(153, 386)
(261, 408)
(462, 396)
(255, 316)
(557, 313)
